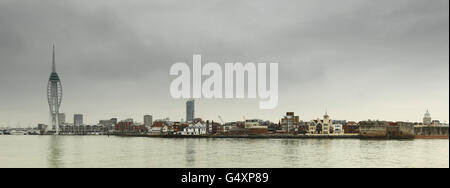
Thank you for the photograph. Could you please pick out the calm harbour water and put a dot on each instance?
(103, 151)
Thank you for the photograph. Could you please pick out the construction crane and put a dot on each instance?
(221, 120)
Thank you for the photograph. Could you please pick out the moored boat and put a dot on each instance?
(15, 132)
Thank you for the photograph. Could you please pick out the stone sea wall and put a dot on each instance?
(373, 129)
(386, 130)
(431, 132)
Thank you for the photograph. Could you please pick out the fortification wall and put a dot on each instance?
(402, 130)
(373, 129)
(385, 130)
(431, 132)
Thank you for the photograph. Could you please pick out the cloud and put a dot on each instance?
(118, 53)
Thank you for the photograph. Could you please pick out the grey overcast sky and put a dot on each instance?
(359, 59)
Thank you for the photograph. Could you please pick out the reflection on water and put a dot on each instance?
(103, 151)
(190, 153)
(55, 152)
(289, 150)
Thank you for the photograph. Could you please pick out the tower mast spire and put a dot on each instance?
(53, 60)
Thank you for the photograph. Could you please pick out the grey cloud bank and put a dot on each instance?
(358, 58)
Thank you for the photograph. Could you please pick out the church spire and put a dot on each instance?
(53, 60)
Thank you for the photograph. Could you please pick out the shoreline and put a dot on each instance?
(432, 137)
(331, 136)
(349, 136)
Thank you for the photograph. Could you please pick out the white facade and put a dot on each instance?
(427, 118)
(338, 129)
(155, 130)
(195, 129)
(166, 129)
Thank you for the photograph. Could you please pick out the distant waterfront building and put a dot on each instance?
(252, 123)
(78, 119)
(42, 127)
(128, 126)
(148, 120)
(436, 123)
(351, 127)
(342, 122)
(338, 129)
(124, 126)
(321, 126)
(195, 128)
(255, 126)
(158, 125)
(70, 129)
(427, 118)
(290, 122)
(327, 124)
(190, 110)
(338, 126)
(61, 119)
(108, 124)
(54, 97)
(237, 127)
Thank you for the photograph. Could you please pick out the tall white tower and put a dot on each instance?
(54, 96)
(427, 118)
